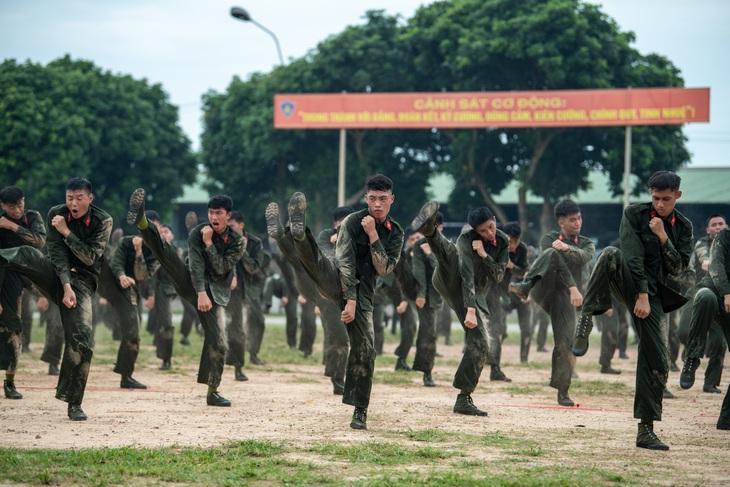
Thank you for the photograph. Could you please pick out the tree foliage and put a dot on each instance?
(448, 46)
(70, 118)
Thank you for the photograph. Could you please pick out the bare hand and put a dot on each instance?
(401, 308)
(368, 224)
(705, 265)
(234, 283)
(642, 308)
(126, 281)
(42, 303)
(69, 297)
(301, 299)
(561, 246)
(471, 318)
(510, 264)
(656, 225)
(204, 302)
(137, 242)
(149, 303)
(609, 312)
(426, 248)
(348, 314)
(420, 302)
(59, 223)
(478, 246)
(727, 303)
(207, 233)
(103, 301)
(576, 298)
(333, 238)
(284, 300)
(317, 311)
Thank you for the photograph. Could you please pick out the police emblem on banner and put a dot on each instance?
(287, 108)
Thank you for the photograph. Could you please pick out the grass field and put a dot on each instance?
(526, 441)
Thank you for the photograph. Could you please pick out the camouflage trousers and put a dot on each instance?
(213, 321)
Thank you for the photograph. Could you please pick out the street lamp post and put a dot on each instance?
(243, 15)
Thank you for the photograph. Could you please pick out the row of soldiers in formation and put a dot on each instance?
(339, 274)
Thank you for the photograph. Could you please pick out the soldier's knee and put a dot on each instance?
(705, 298)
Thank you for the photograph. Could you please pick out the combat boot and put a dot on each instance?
(582, 332)
(338, 386)
(359, 419)
(687, 377)
(273, 225)
(428, 380)
(297, 209)
(10, 391)
(215, 399)
(497, 374)
(75, 413)
(564, 399)
(465, 405)
(129, 382)
(425, 221)
(521, 289)
(401, 364)
(646, 438)
(191, 221)
(136, 207)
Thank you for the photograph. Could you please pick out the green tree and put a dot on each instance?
(70, 118)
(244, 155)
(500, 45)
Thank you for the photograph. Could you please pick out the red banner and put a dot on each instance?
(515, 109)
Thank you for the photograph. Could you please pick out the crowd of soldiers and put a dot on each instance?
(76, 266)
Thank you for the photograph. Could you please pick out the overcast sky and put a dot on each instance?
(191, 46)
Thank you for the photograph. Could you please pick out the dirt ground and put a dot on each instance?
(294, 403)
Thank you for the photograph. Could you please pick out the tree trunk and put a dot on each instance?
(358, 136)
(546, 216)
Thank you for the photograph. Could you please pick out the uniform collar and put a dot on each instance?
(562, 237)
(671, 220)
(86, 219)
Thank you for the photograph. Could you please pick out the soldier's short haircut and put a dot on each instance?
(341, 212)
(237, 216)
(512, 229)
(565, 208)
(11, 195)
(378, 182)
(75, 184)
(662, 180)
(477, 216)
(221, 201)
(165, 225)
(707, 222)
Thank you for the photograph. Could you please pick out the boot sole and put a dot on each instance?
(297, 207)
(653, 447)
(136, 203)
(273, 226)
(426, 213)
(517, 291)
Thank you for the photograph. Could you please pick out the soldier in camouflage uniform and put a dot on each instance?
(18, 226)
(554, 281)
(516, 268)
(161, 312)
(461, 277)
(711, 305)
(77, 234)
(214, 249)
(716, 345)
(369, 244)
(656, 241)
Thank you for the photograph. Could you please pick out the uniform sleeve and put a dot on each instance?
(58, 252)
(345, 257)
(144, 268)
(35, 234)
(718, 258)
(702, 251)
(385, 259)
(196, 261)
(675, 259)
(419, 271)
(580, 256)
(497, 265)
(222, 262)
(633, 249)
(466, 270)
(520, 263)
(120, 256)
(92, 248)
(324, 243)
(253, 257)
